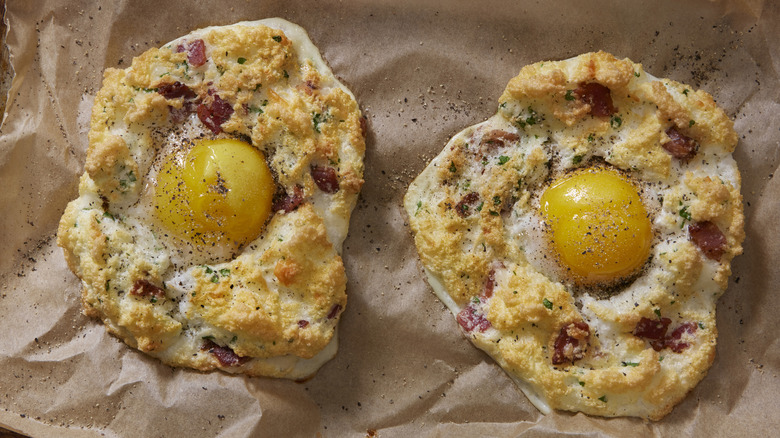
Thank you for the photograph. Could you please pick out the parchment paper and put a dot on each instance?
(421, 71)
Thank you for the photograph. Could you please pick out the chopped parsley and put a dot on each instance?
(241, 60)
(215, 278)
(277, 38)
(479, 207)
(502, 160)
(691, 123)
(590, 138)
(286, 75)
(475, 300)
(657, 312)
(701, 326)
(685, 91)
(636, 73)
(603, 398)
(493, 213)
(615, 122)
(630, 364)
(317, 119)
(224, 272)
(496, 200)
(419, 205)
(577, 159)
(547, 303)
(569, 95)
(686, 215)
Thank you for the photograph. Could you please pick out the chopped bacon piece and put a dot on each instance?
(196, 52)
(708, 237)
(144, 288)
(675, 341)
(471, 318)
(571, 343)
(489, 285)
(654, 330)
(303, 323)
(289, 202)
(325, 178)
(225, 355)
(466, 205)
(499, 138)
(175, 90)
(598, 97)
(680, 146)
(334, 312)
(216, 114)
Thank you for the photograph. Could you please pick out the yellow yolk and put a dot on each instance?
(219, 193)
(599, 225)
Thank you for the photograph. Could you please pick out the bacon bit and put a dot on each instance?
(225, 355)
(708, 237)
(675, 342)
(196, 52)
(288, 203)
(215, 115)
(303, 323)
(567, 346)
(176, 90)
(465, 206)
(598, 97)
(489, 285)
(334, 312)
(144, 288)
(325, 178)
(653, 330)
(470, 318)
(498, 138)
(680, 146)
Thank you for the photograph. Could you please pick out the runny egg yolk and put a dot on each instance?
(599, 225)
(218, 193)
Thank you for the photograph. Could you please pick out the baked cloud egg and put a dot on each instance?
(583, 234)
(221, 173)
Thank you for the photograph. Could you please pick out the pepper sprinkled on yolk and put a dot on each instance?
(219, 192)
(599, 225)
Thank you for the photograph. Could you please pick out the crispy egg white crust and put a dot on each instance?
(490, 264)
(272, 308)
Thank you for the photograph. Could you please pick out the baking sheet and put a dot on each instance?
(421, 71)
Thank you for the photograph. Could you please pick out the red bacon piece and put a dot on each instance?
(175, 90)
(214, 115)
(598, 97)
(675, 341)
(499, 138)
(466, 205)
(654, 330)
(490, 284)
(289, 202)
(144, 288)
(196, 52)
(325, 178)
(334, 311)
(471, 318)
(680, 146)
(571, 343)
(303, 323)
(708, 237)
(225, 355)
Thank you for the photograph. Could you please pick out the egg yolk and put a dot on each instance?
(599, 225)
(220, 190)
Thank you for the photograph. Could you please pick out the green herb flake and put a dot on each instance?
(581, 383)
(701, 326)
(224, 272)
(215, 278)
(547, 303)
(630, 364)
(685, 91)
(317, 119)
(479, 207)
(685, 214)
(569, 95)
(496, 200)
(277, 38)
(691, 123)
(603, 398)
(657, 312)
(108, 285)
(493, 213)
(502, 160)
(209, 338)
(153, 300)
(636, 73)
(616, 122)
(255, 109)
(419, 205)
(577, 159)
(108, 215)
(233, 339)
(208, 270)
(475, 300)
(590, 138)
(241, 60)
(194, 293)
(286, 75)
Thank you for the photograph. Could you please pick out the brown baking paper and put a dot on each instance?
(421, 73)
